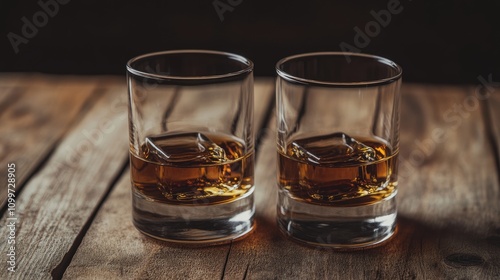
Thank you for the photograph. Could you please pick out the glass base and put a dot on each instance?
(337, 227)
(194, 224)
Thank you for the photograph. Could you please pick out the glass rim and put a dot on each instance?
(244, 61)
(295, 78)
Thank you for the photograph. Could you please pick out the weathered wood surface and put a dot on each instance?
(491, 98)
(30, 125)
(60, 198)
(448, 208)
(127, 253)
(75, 221)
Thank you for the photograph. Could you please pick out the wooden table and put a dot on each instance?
(68, 139)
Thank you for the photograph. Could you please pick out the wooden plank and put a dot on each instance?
(450, 198)
(8, 88)
(187, 101)
(10, 80)
(124, 252)
(114, 249)
(263, 95)
(458, 167)
(449, 210)
(492, 100)
(35, 113)
(57, 202)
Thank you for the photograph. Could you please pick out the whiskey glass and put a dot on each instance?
(192, 145)
(338, 143)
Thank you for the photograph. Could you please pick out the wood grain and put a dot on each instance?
(492, 102)
(57, 202)
(449, 192)
(448, 209)
(450, 196)
(127, 253)
(35, 112)
(263, 100)
(10, 80)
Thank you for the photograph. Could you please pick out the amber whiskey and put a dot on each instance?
(338, 170)
(192, 168)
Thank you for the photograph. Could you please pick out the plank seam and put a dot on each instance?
(264, 124)
(79, 116)
(14, 95)
(60, 269)
(226, 261)
(258, 141)
(20, 184)
(490, 134)
(246, 272)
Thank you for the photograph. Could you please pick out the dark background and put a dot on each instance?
(434, 41)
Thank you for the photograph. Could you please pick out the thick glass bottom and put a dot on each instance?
(337, 227)
(194, 224)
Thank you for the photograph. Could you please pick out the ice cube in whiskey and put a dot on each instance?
(338, 170)
(192, 168)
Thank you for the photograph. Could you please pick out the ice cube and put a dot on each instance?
(331, 148)
(192, 147)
